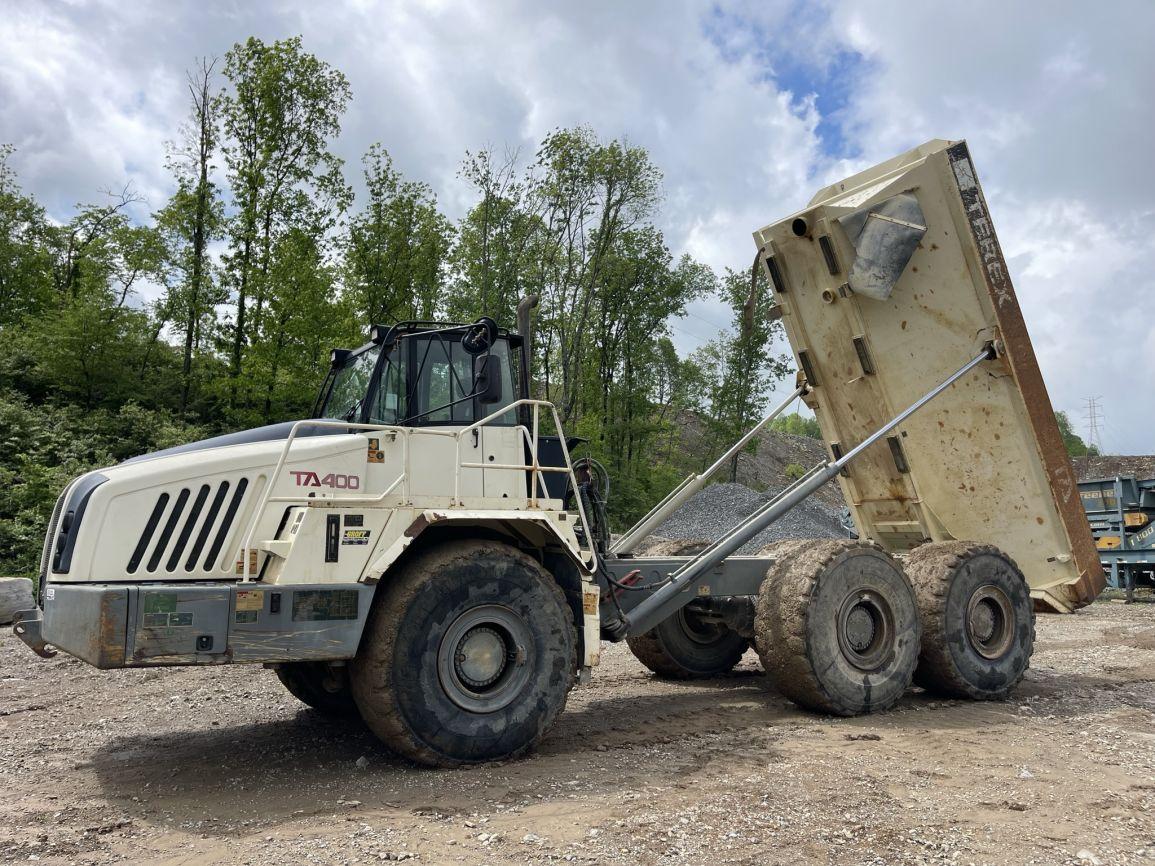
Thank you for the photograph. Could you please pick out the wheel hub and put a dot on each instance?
(990, 621)
(866, 629)
(483, 659)
(860, 628)
(697, 628)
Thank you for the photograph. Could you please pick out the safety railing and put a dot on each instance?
(531, 440)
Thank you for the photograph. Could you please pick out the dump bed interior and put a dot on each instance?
(888, 282)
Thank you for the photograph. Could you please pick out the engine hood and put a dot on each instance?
(268, 433)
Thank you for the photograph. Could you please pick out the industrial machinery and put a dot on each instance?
(425, 553)
(1121, 512)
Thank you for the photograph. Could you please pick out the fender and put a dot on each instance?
(540, 529)
(551, 532)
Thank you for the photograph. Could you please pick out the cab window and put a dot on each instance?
(389, 405)
(443, 375)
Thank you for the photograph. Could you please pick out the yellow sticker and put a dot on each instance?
(250, 600)
(356, 536)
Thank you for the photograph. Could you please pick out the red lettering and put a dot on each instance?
(305, 478)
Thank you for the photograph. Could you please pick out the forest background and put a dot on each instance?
(120, 336)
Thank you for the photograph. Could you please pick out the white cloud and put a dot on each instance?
(746, 107)
(1057, 108)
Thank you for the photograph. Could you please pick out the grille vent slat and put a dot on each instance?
(146, 535)
(206, 527)
(186, 531)
(166, 533)
(226, 523)
(188, 526)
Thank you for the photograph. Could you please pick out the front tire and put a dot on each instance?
(468, 655)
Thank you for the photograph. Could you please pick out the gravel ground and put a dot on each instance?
(204, 766)
(719, 507)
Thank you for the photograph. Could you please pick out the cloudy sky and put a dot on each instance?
(746, 107)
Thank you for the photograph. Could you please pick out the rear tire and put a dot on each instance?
(468, 655)
(686, 646)
(978, 621)
(324, 688)
(837, 627)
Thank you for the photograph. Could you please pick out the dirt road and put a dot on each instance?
(222, 766)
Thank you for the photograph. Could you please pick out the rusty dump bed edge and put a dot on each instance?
(889, 280)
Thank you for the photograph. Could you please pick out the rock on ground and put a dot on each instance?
(719, 507)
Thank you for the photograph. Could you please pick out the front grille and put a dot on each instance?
(174, 523)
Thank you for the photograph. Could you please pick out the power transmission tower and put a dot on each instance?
(1094, 418)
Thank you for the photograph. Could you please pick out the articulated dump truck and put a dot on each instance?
(425, 553)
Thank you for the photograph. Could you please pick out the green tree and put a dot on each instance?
(587, 195)
(305, 315)
(398, 247)
(25, 260)
(797, 425)
(1074, 443)
(495, 241)
(192, 220)
(741, 366)
(283, 108)
(96, 346)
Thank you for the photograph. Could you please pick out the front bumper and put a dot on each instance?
(146, 625)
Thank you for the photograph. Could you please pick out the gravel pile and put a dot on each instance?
(720, 507)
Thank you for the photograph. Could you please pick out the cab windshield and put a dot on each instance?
(350, 385)
(423, 381)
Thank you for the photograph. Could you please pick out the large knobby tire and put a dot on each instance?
(468, 655)
(322, 687)
(687, 646)
(837, 626)
(978, 622)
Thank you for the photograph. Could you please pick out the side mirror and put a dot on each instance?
(479, 336)
(488, 384)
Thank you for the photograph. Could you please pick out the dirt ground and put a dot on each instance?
(186, 766)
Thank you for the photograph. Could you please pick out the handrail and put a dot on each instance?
(405, 433)
(536, 469)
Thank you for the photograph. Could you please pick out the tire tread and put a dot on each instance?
(931, 567)
(381, 634)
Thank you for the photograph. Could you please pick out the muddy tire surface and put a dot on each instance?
(978, 621)
(686, 646)
(468, 655)
(837, 626)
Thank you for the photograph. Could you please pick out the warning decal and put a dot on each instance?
(248, 599)
(355, 536)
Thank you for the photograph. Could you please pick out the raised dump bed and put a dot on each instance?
(887, 280)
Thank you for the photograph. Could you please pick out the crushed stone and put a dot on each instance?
(716, 509)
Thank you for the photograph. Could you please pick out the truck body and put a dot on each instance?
(425, 553)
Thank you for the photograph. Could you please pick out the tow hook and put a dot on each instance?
(26, 626)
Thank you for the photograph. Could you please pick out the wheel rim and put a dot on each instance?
(483, 660)
(698, 630)
(990, 621)
(866, 629)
